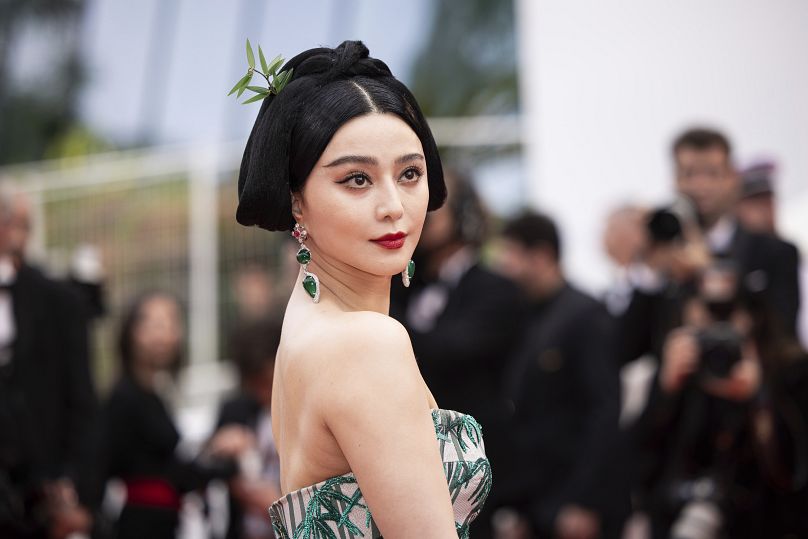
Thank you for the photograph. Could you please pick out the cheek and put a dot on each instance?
(333, 218)
(416, 205)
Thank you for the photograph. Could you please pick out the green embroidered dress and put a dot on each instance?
(335, 508)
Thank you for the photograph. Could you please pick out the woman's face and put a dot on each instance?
(158, 332)
(365, 200)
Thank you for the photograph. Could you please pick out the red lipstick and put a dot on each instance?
(391, 241)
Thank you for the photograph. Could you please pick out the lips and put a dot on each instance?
(391, 241)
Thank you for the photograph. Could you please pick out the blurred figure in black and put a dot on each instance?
(253, 350)
(757, 210)
(462, 318)
(86, 274)
(709, 189)
(47, 400)
(625, 239)
(562, 391)
(671, 261)
(140, 437)
(706, 176)
(723, 440)
(254, 294)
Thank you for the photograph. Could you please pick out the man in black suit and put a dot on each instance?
(707, 180)
(563, 471)
(706, 176)
(462, 318)
(48, 401)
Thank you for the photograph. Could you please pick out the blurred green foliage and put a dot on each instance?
(468, 64)
(38, 115)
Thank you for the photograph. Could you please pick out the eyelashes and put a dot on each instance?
(358, 179)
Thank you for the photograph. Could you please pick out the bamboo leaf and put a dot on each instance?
(250, 55)
(253, 99)
(258, 90)
(246, 80)
(276, 63)
(280, 80)
(242, 82)
(288, 77)
(263, 61)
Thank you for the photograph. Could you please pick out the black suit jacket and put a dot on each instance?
(563, 397)
(463, 356)
(771, 265)
(765, 264)
(50, 372)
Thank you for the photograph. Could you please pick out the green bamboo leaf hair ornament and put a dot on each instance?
(275, 81)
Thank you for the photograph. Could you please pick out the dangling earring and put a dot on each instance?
(408, 273)
(311, 284)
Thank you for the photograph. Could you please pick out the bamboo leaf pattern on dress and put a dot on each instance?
(322, 508)
(333, 509)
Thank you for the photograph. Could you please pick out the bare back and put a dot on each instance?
(307, 366)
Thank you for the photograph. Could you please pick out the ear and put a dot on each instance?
(297, 212)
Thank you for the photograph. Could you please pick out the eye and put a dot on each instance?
(412, 174)
(356, 180)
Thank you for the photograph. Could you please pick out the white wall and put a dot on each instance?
(607, 85)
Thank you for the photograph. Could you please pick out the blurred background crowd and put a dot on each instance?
(614, 288)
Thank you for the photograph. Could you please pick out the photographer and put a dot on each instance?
(671, 258)
(723, 439)
(708, 188)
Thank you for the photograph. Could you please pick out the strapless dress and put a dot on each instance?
(335, 508)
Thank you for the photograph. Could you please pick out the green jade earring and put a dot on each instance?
(408, 273)
(311, 284)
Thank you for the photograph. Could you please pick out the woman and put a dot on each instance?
(343, 156)
(140, 438)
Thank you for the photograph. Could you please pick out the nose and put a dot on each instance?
(389, 205)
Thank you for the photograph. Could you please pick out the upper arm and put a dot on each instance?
(377, 411)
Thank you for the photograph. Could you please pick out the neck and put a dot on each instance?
(347, 288)
(143, 373)
(548, 284)
(708, 222)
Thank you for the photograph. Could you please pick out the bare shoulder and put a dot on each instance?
(351, 337)
(371, 333)
(365, 355)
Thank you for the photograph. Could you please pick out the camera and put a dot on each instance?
(666, 224)
(720, 343)
(720, 349)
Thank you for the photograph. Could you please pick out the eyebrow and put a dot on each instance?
(367, 160)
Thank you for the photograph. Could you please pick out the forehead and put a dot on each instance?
(159, 305)
(695, 156)
(383, 136)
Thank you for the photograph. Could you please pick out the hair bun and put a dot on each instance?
(349, 59)
(327, 88)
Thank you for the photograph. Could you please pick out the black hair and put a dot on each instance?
(701, 139)
(534, 230)
(328, 87)
(132, 316)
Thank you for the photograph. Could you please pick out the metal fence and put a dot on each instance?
(163, 218)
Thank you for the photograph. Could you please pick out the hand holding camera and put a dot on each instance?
(680, 360)
(743, 380)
